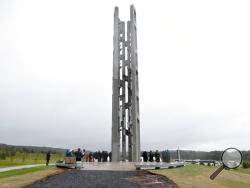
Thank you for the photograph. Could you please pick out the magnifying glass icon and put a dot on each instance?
(231, 158)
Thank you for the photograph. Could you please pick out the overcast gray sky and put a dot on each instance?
(194, 73)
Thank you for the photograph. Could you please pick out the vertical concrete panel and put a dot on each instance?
(122, 85)
(115, 140)
(135, 94)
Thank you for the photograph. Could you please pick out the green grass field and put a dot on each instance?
(197, 176)
(28, 158)
(22, 171)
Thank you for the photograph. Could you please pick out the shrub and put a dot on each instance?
(2, 156)
(23, 158)
(246, 164)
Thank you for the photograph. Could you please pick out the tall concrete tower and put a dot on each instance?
(125, 99)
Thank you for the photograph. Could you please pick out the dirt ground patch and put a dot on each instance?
(26, 179)
(148, 180)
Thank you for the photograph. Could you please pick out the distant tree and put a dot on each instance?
(11, 158)
(2, 156)
(7, 153)
(25, 150)
(12, 153)
(23, 158)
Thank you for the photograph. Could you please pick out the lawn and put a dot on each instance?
(22, 171)
(197, 176)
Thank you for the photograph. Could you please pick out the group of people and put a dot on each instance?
(79, 154)
(150, 156)
(83, 155)
(156, 156)
(101, 156)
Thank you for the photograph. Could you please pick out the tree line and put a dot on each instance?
(204, 155)
(10, 151)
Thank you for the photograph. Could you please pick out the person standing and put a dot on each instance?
(151, 156)
(145, 156)
(99, 156)
(83, 155)
(157, 156)
(79, 155)
(48, 158)
(91, 158)
(104, 156)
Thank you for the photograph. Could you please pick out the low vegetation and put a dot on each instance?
(246, 164)
(196, 176)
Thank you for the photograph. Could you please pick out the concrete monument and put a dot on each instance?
(125, 98)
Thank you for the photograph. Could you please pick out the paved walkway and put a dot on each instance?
(104, 179)
(110, 166)
(105, 175)
(5, 169)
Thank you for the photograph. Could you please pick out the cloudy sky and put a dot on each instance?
(194, 73)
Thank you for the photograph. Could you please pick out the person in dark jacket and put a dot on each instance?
(48, 158)
(99, 156)
(105, 158)
(145, 156)
(151, 156)
(79, 155)
(157, 156)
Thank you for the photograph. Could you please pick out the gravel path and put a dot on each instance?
(104, 179)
